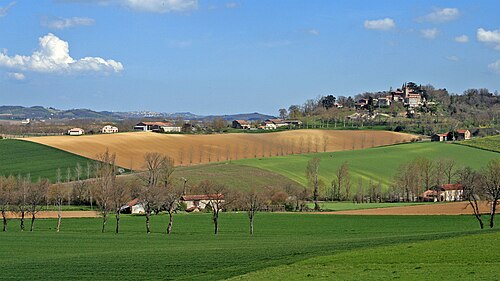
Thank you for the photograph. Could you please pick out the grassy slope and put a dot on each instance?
(461, 258)
(379, 163)
(80, 251)
(346, 206)
(233, 175)
(22, 157)
(487, 143)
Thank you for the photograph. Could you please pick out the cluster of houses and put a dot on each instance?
(108, 129)
(158, 126)
(409, 94)
(452, 136)
(268, 124)
(445, 192)
(193, 203)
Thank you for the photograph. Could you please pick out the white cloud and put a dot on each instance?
(313, 31)
(231, 5)
(430, 33)
(452, 58)
(53, 57)
(382, 24)
(441, 15)
(61, 23)
(495, 66)
(16, 76)
(490, 37)
(5, 10)
(150, 6)
(462, 39)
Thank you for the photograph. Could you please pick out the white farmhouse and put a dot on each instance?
(76, 132)
(108, 129)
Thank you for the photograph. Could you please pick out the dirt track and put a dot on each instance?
(454, 208)
(53, 214)
(196, 149)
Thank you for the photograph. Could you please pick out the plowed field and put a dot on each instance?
(196, 149)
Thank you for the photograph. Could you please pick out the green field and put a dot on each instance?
(378, 164)
(487, 143)
(346, 206)
(22, 157)
(192, 252)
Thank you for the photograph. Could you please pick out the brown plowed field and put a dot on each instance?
(196, 149)
(453, 208)
(53, 214)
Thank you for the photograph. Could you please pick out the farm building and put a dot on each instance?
(165, 127)
(196, 203)
(241, 124)
(459, 135)
(108, 129)
(133, 207)
(439, 137)
(445, 192)
(76, 132)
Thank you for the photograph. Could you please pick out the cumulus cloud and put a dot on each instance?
(16, 76)
(495, 66)
(382, 24)
(61, 23)
(313, 31)
(490, 37)
(430, 33)
(5, 10)
(441, 15)
(53, 57)
(462, 39)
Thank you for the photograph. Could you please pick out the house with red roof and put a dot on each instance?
(445, 192)
(196, 203)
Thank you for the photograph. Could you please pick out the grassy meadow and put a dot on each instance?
(22, 157)
(378, 164)
(281, 240)
(487, 143)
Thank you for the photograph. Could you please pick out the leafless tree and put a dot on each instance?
(21, 193)
(7, 186)
(253, 200)
(325, 142)
(470, 181)
(449, 169)
(425, 168)
(104, 183)
(57, 194)
(171, 201)
(119, 196)
(341, 184)
(35, 198)
(312, 174)
(217, 196)
(491, 186)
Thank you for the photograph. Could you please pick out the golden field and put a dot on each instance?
(131, 147)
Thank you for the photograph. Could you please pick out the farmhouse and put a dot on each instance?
(241, 124)
(459, 135)
(445, 192)
(133, 207)
(439, 137)
(108, 129)
(165, 127)
(76, 132)
(196, 203)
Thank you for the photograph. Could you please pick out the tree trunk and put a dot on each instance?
(117, 220)
(104, 221)
(32, 222)
(59, 217)
(493, 211)
(4, 217)
(148, 230)
(251, 215)
(216, 223)
(22, 221)
(170, 221)
(477, 214)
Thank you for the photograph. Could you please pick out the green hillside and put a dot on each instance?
(487, 143)
(19, 157)
(378, 164)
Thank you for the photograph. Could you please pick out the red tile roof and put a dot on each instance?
(202, 197)
(452, 186)
(461, 131)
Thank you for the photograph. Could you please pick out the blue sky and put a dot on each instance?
(238, 56)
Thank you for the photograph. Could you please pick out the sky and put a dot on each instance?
(224, 57)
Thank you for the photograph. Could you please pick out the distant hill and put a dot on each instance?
(40, 112)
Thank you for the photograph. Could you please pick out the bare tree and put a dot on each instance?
(104, 183)
(342, 183)
(312, 174)
(171, 201)
(491, 186)
(449, 169)
(216, 194)
(35, 198)
(325, 142)
(119, 195)
(470, 181)
(425, 167)
(6, 197)
(253, 200)
(57, 194)
(20, 195)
